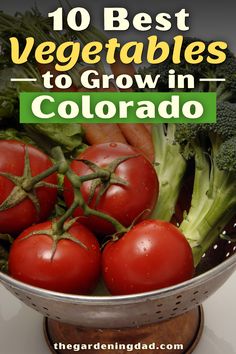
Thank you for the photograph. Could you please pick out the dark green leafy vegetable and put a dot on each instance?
(5, 243)
(13, 134)
(68, 136)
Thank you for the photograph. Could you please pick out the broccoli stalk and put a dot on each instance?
(205, 222)
(214, 193)
(200, 188)
(170, 166)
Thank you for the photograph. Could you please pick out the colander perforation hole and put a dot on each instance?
(193, 300)
(28, 297)
(158, 312)
(45, 308)
(206, 292)
(215, 246)
(160, 318)
(204, 255)
(227, 254)
(159, 305)
(58, 318)
(196, 292)
(178, 297)
(175, 309)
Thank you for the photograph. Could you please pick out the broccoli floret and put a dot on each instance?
(226, 157)
(226, 90)
(224, 128)
(225, 125)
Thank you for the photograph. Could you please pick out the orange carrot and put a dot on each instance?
(103, 133)
(138, 136)
(148, 127)
(118, 68)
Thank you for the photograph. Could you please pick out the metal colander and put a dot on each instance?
(133, 310)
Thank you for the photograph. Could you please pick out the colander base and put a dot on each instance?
(185, 329)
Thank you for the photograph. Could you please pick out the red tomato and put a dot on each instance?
(24, 214)
(124, 203)
(72, 269)
(152, 255)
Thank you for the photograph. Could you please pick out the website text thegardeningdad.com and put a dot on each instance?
(117, 346)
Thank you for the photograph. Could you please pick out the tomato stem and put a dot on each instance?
(79, 201)
(120, 229)
(25, 185)
(103, 178)
(103, 174)
(28, 185)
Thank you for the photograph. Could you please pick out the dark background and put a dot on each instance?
(209, 20)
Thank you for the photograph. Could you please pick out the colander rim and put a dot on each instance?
(109, 299)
